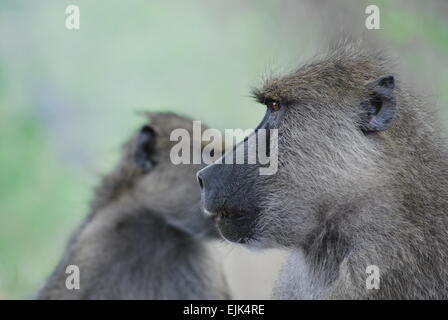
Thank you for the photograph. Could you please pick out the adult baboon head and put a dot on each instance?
(344, 129)
(147, 175)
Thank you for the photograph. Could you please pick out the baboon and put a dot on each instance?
(145, 235)
(362, 181)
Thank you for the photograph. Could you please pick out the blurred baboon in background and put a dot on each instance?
(145, 235)
(362, 184)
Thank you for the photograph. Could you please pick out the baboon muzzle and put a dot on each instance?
(228, 196)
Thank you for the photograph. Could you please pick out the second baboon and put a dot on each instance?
(145, 235)
(360, 197)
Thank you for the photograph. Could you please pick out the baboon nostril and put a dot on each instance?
(200, 182)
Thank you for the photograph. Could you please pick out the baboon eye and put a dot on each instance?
(273, 105)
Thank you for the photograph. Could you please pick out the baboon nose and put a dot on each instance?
(201, 184)
(207, 179)
(204, 178)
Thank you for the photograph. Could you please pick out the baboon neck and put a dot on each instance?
(420, 183)
(416, 154)
(143, 224)
(113, 186)
(327, 247)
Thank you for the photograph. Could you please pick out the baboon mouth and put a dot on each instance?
(230, 215)
(234, 226)
(225, 214)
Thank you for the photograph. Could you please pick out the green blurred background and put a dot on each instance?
(68, 99)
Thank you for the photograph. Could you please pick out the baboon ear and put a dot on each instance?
(144, 148)
(379, 110)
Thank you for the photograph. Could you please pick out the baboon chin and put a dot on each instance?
(144, 236)
(362, 180)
